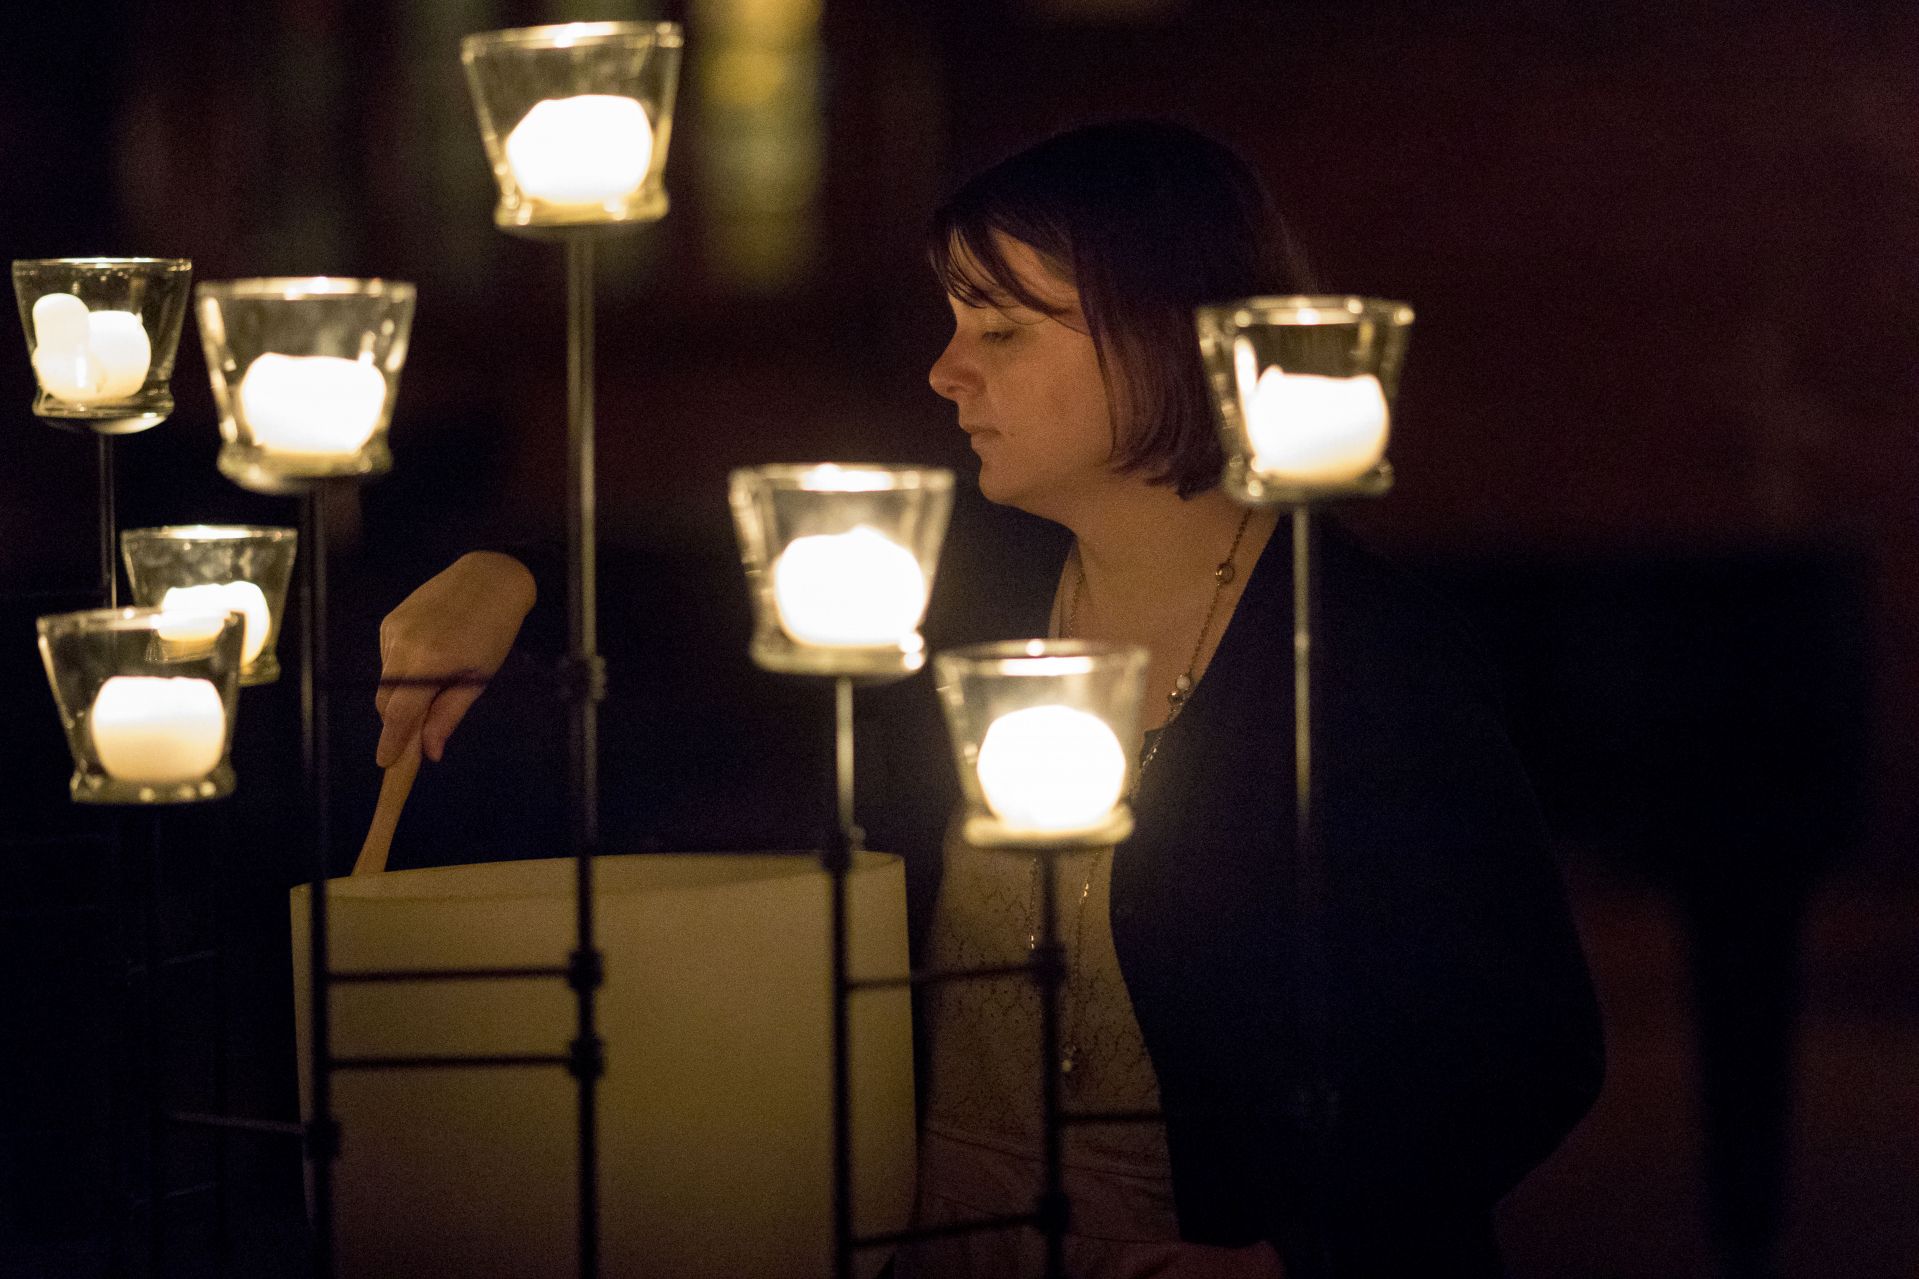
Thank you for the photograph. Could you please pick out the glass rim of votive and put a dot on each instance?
(211, 533)
(1325, 308)
(170, 264)
(570, 35)
(1037, 658)
(297, 287)
(566, 35)
(129, 618)
(896, 475)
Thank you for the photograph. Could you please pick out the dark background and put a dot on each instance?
(1656, 438)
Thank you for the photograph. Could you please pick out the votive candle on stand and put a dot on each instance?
(576, 119)
(1303, 388)
(840, 559)
(148, 700)
(304, 372)
(102, 334)
(1040, 732)
(190, 570)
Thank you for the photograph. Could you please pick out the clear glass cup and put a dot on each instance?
(840, 563)
(102, 334)
(1043, 733)
(1303, 388)
(197, 566)
(148, 700)
(304, 372)
(576, 119)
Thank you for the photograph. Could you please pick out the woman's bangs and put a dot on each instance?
(971, 266)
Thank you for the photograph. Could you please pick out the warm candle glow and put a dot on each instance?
(156, 730)
(214, 599)
(88, 357)
(593, 149)
(1051, 768)
(312, 405)
(858, 589)
(1308, 428)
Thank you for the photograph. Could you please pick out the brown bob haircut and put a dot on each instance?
(1147, 220)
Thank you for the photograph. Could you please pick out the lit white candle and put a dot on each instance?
(315, 406)
(212, 600)
(88, 357)
(1308, 428)
(593, 149)
(858, 589)
(158, 730)
(1051, 768)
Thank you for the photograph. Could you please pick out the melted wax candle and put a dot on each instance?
(314, 406)
(589, 151)
(858, 589)
(158, 730)
(87, 357)
(1051, 768)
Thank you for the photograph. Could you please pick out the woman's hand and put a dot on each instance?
(460, 624)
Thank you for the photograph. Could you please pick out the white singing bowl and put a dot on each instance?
(715, 1129)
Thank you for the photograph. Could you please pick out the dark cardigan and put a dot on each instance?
(1464, 1040)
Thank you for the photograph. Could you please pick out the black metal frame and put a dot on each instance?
(1046, 968)
(1315, 1106)
(583, 687)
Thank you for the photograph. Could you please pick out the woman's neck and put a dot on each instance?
(1142, 546)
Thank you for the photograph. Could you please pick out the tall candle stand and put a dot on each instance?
(839, 563)
(304, 373)
(102, 334)
(1303, 388)
(148, 700)
(575, 120)
(1038, 728)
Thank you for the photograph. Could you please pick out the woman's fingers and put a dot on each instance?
(457, 625)
(406, 708)
(448, 709)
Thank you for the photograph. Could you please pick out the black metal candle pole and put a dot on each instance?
(585, 686)
(109, 575)
(1316, 1103)
(140, 830)
(1049, 971)
(322, 1131)
(842, 841)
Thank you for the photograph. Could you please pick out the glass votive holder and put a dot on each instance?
(1042, 733)
(215, 567)
(840, 562)
(576, 120)
(102, 334)
(304, 373)
(1304, 388)
(148, 701)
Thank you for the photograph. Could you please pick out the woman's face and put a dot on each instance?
(1029, 393)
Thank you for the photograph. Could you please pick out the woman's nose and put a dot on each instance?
(949, 375)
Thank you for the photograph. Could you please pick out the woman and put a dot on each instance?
(1463, 1039)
